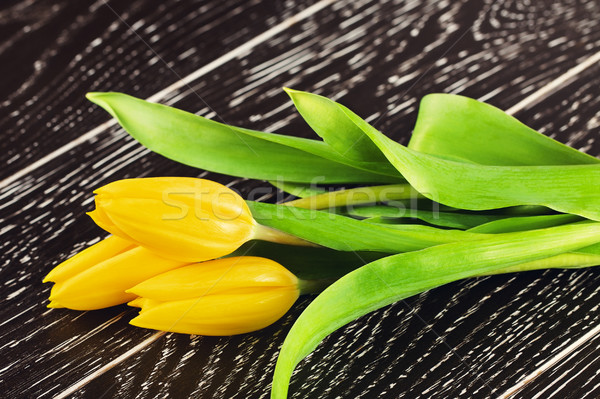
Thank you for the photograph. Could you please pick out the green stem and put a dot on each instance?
(357, 196)
(273, 235)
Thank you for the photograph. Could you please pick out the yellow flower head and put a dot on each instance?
(221, 297)
(98, 276)
(181, 218)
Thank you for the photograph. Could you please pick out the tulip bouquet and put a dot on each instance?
(475, 192)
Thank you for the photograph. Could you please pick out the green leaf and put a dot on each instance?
(347, 234)
(592, 249)
(391, 279)
(522, 223)
(463, 129)
(202, 143)
(341, 134)
(564, 188)
(455, 220)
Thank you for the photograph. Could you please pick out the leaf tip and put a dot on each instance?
(94, 96)
(292, 92)
(99, 98)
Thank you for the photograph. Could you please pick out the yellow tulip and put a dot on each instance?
(221, 297)
(158, 224)
(182, 218)
(95, 254)
(98, 276)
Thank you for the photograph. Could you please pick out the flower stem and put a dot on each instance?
(265, 233)
(357, 196)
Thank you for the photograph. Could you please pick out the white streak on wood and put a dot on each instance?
(161, 95)
(24, 311)
(58, 152)
(16, 293)
(554, 85)
(550, 363)
(241, 50)
(84, 381)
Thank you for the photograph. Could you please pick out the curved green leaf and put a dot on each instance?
(397, 277)
(455, 220)
(467, 130)
(521, 223)
(337, 131)
(565, 188)
(347, 234)
(202, 143)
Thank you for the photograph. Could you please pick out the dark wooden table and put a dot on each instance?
(228, 60)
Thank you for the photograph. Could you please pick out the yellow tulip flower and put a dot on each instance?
(98, 276)
(158, 224)
(220, 297)
(181, 218)
(95, 254)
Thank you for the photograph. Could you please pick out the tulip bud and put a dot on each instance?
(221, 297)
(101, 251)
(181, 218)
(98, 277)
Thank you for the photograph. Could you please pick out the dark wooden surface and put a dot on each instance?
(472, 339)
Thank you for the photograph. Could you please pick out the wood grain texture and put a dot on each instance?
(469, 339)
(571, 379)
(63, 49)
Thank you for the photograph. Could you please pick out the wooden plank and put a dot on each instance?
(572, 379)
(388, 353)
(561, 370)
(64, 49)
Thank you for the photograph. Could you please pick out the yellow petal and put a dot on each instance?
(54, 305)
(181, 218)
(136, 303)
(142, 302)
(243, 274)
(89, 257)
(103, 221)
(104, 284)
(220, 314)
